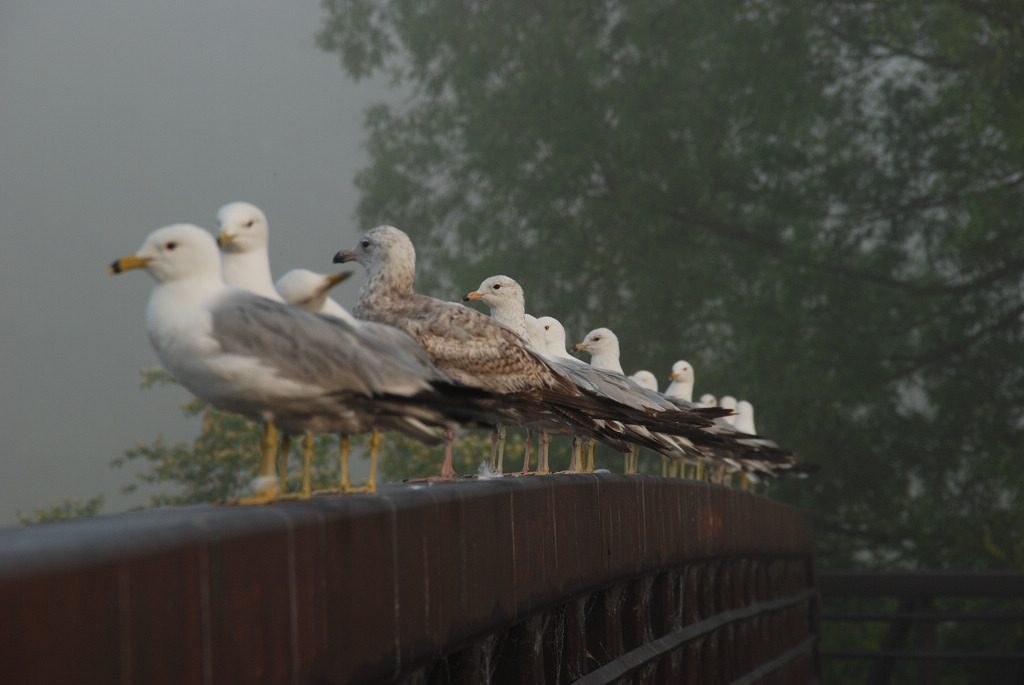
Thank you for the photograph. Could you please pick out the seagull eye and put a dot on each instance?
(547, 328)
(497, 286)
(366, 244)
(169, 246)
(249, 223)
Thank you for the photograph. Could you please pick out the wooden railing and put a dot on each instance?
(929, 626)
(588, 578)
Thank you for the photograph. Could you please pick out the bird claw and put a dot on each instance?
(264, 497)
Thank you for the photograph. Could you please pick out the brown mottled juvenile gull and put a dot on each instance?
(478, 351)
(282, 365)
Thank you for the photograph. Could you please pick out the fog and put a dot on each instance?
(117, 118)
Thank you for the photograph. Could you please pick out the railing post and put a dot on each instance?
(604, 627)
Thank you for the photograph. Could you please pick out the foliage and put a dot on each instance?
(63, 510)
(818, 204)
(222, 461)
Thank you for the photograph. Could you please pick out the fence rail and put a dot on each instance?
(915, 594)
(588, 578)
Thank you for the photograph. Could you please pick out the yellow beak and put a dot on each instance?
(579, 346)
(127, 263)
(225, 238)
(673, 376)
(472, 296)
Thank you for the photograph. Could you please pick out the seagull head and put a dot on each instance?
(745, 417)
(380, 245)
(554, 336)
(681, 372)
(174, 253)
(646, 379)
(496, 290)
(308, 289)
(599, 341)
(387, 254)
(243, 228)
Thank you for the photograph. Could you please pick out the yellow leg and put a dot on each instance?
(343, 450)
(307, 465)
(307, 468)
(590, 456)
(371, 484)
(267, 491)
(282, 461)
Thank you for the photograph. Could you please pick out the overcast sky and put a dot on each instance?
(117, 118)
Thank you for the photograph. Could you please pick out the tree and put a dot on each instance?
(221, 462)
(64, 509)
(818, 204)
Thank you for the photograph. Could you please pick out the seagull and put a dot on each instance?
(728, 402)
(617, 386)
(745, 417)
(648, 380)
(680, 382)
(244, 240)
(603, 347)
(501, 295)
(281, 365)
(308, 289)
(506, 299)
(645, 379)
(482, 353)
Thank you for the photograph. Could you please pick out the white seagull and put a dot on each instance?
(281, 365)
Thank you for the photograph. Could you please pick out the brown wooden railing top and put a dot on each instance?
(349, 589)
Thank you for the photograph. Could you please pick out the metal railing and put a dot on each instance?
(971, 623)
(588, 578)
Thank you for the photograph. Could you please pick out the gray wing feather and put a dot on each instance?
(324, 350)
